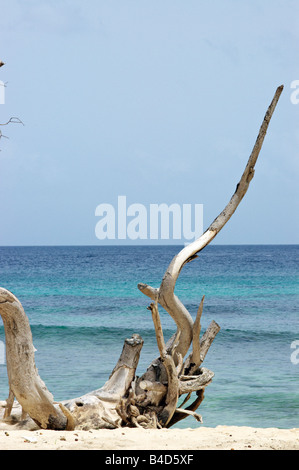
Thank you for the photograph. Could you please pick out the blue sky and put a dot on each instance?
(160, 101)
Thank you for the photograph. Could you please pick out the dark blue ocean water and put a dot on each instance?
(82, 302)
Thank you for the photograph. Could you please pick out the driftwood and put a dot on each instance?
(149, 401)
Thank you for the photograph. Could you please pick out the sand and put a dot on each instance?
(219, 438)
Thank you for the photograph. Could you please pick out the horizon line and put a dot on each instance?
(145, 245)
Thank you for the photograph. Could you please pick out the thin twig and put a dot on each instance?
(196, 334)
(13, 120)
(158, 329)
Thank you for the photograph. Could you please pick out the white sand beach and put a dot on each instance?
(219, 438)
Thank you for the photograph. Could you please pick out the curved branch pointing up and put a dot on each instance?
(189, 251)
(165, 294)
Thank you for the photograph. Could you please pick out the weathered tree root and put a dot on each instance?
(115, 404)
(149, 401)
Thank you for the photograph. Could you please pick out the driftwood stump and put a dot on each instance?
(149, 401)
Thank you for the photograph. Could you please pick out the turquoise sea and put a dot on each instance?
(82, 302)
